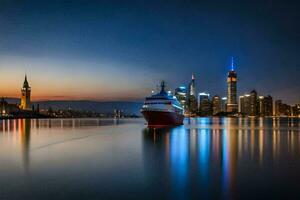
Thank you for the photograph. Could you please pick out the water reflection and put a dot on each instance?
(179, 157)
(18, 131)
(25, 127)
(230, 156)
(203, 144)
(209, 158)
(210, 150)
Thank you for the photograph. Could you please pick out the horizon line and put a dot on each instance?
(85, 99)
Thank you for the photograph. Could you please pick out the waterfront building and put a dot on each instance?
(6, 108)
(278, 108)
(295, 110)
(204, 104)
(253, 103)
(3, 108)
(241, 103)
(181, 95)
(249, 104)
(192, 107)
(192, 87)
(224, 104)
(118, 113)
(286, 110)
(282, 109)
(232, 105)
(216, 105)
(261, 106)
(245, 105)
(268, 106)
(265, 106)
(25, 98)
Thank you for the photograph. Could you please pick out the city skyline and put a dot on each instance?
(120, 53)
(173, 90)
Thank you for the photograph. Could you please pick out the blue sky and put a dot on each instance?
(120, 50)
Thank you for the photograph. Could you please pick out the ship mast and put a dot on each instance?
(162, 85)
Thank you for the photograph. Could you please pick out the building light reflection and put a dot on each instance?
(179, 158)
(204, 152)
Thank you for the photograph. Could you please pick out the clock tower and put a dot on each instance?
(25, 98)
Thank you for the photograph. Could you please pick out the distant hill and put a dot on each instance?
(13, 100)
(85, 105)
(102, 107)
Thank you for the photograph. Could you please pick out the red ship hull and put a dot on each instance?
(162, 119)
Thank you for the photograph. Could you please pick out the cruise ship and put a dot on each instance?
(162, 109)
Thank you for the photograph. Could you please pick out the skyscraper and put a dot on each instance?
(241, 103)
(191, 98)
(261, 106)
(216, 105)
(232, 105)
(268, 105)
(204, 104)
(249, 104)
(282, 109)
(25, 98)
(253, 103)
(224, 104)
(181, 95)
(265, 107)
(278, 108)
(192, 87)
(245, 104)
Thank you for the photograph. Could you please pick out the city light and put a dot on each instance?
(203, 94)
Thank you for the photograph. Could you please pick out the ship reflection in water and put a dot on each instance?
(208, 158)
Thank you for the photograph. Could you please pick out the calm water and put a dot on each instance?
(207, 158)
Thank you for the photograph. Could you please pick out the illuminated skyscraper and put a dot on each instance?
(282, 109)
(261, 106)
(249, 104)
(191, 98)
(232, 105)
(192, 87)
(216, 105)
(278, 106)
(241, 103)
(253, 103)
(224, 104)
(181, 95)
(265, 107)
(204, 104)
(25, 98)
(245, 104)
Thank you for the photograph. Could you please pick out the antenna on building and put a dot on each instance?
(232, 64)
